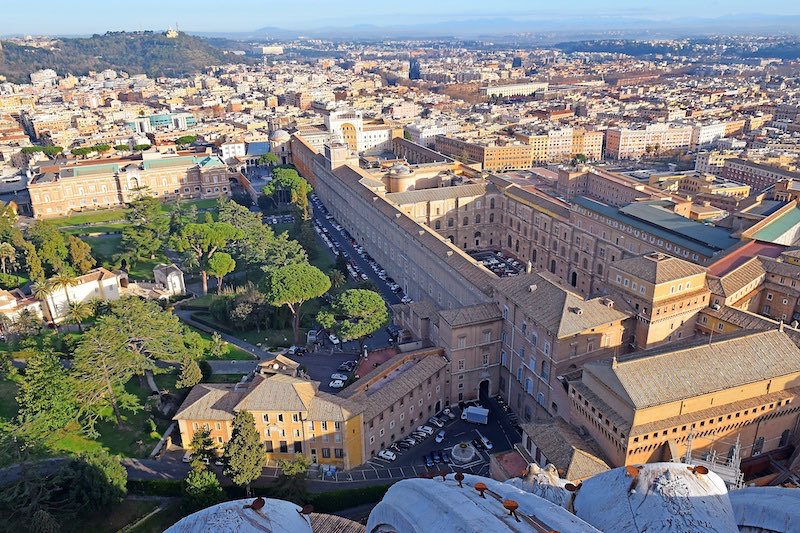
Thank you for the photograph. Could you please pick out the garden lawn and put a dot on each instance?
(104, 248)
(143, 271)
(125, 441)
(91, 217)
(234, 353)
(100, 228)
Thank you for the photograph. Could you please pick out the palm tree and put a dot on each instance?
(337, 279)
(7, 254)
(64, 280)
(78, 312)
(42, 290)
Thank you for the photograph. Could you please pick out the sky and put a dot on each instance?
(76, 17)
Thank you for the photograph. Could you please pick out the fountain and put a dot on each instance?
(463, 453)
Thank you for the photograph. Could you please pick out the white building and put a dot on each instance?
(229, 151)
(98, 284)
(424, 133)
(348, 126)
(514, 89)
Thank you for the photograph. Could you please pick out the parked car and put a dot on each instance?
(427, 460)
(296, 350)
(436, 457)
(187, 458)
(449, 414)
(340, 377)
(436, 422)
(440, 436)
(386, 454)
(336, 384)
(334, 339)
(425, 429)
(478, 444)
(486, 443)
(446, 457)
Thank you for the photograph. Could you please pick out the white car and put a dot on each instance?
(339, 377)
(486, 442)
(406, 300)
(386, 454)
(440, 436)
(187, 458)
(426, 429)
(336, 384)
(334, 339)
(450, 414)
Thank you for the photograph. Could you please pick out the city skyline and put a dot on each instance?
(21, 18)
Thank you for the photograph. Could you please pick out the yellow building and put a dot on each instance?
(292, 417)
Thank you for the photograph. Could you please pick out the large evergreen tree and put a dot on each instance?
(202, 488)
(244, 453)
(203, 241)
(46, 395)
(294, 285)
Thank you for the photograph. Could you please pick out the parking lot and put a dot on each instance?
(278, 219)
(498, 263)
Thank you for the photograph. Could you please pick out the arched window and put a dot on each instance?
(553, 266)
(450, 222)
(540, 399)
(491, 203)
(585, 263)
(509, 241)
(477, 234)
(477, 219)
(533, 255)
(600, 269)
(491, 217)
(465, 221)
(575, 257)
(516, 246)
(437, 224)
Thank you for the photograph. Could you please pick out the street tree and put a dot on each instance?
(294, 285)
(204, 240)
(359, 313)
(244, 453)
(291, 485)
(202, 447)
(220, 265)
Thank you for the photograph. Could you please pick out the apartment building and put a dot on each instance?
(496, 155)
(713, 394)
(631, 143)
(514, 89)
(58, 189)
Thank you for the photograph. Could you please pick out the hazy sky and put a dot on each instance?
(97, 16)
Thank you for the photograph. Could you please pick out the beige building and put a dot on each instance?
(651, 405)
(60, 189)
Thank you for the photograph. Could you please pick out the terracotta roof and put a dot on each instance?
(740, 318)
(673, 373)
(781, 268)
(437, 194)
(737, 278)
(554, 306)
(658, 268)
(576, 457)
(278, 392)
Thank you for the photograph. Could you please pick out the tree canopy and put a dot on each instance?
(288, 186)
(220, 265)
(244, 453)
(292, 286)
(203, 241)
(356, 313)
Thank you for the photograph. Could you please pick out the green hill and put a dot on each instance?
(146, 52)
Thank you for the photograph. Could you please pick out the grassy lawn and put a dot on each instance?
(224, 378)
(162, 520)
(115, 518)
(143, 271)
(42, 341)
(8, 401)
(103, 248)
(234, 353)
(133, 440)
(203, 301)
(271, 338)
(101, 228)
(12, 281)
(91, 217)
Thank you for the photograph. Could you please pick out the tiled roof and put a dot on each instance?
(741, 318)
(737, 278)
(564, 448)
(781, 268)
(384, 391)
(209, 401)
(437, 194)
(554, 306)
(278, 392)
(658, 268)
(672, 373)
(473, 314)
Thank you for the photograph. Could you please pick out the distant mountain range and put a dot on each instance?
(538, 29)
(149, 53)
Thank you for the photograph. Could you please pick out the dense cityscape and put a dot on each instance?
(506, 281)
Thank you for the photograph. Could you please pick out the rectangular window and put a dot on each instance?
(268, 446)
(326, 453)
(338, 453)
(284, 446)
(461, 364)
(298, 446)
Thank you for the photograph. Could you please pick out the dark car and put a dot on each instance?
(478, 444)
(428, 461)
(436, 457)
(446, 457)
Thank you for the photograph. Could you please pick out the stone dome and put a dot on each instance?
(279, 136)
